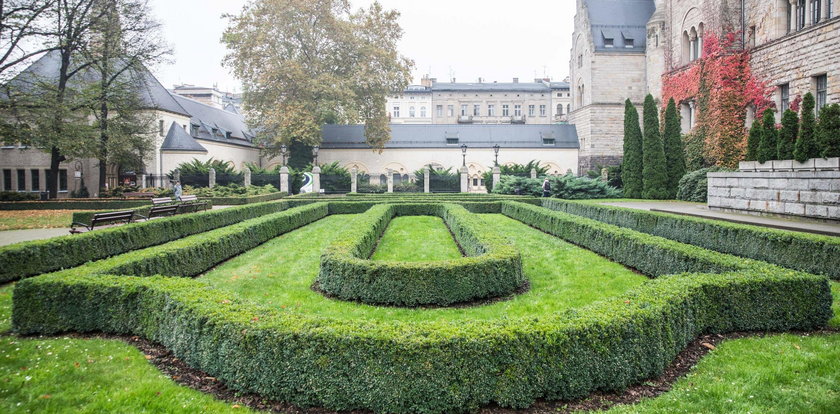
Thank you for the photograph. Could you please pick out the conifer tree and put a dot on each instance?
(631, 169)
(787, 135)
(767, 148)
(674, 151)
(828, 131)
(654, 173)
(754, 140)
(806, 145)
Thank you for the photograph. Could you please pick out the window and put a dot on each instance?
(21, 180)
(608, 42)
(628, 43)
(822, 92)
(816, 11)
(160, 128)
(439, 110)
(800, 15)
(411, 112)
(463, 110)
(476, 110)
(517, 110)
(568, 108)
(752, 36)
(491, 110)
(194, 130)
(542, 110)
(396, 112)
(784, 93)
(450, 110)
(62, 180)
(422, 112)
(36, 180)
(531, 110)
(548, 141)
(580, 60)
(559, 109)
(7, 180)
(828, 6)
(505, 110)
(452, 141)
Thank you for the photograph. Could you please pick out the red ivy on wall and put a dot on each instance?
(723, 86)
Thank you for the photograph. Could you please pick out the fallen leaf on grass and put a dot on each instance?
(708, 345)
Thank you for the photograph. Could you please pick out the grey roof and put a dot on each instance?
(560, 85)
(474, 136)
(208, 118)
(152, 93)
(491, 87)
(177, 139)
(619, 20)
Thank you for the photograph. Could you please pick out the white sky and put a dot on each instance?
(493, 39)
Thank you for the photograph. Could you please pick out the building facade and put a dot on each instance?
(794, 48)
(540, 102)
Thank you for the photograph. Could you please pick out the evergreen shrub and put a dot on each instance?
(694, 186)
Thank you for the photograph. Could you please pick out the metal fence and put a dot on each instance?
(335, 184)
(444, 183)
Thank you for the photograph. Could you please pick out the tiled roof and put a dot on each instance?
(177, 139)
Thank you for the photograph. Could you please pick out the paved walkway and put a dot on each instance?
(16, 236)
(700, 210)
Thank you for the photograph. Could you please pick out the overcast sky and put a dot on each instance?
(493, 39)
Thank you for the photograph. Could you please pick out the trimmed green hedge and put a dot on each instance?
(88, 204)
(492, 268)
(437, 366)
(801, 251)
(235, 201)
(31, 258)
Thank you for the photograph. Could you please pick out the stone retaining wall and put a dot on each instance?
(761, 189)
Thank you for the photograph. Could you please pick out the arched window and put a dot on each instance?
(411, 112)
(686, 48)
(694, 45)
(559, 109)
(422, 112)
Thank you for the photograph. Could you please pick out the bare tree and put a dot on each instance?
(23, 29)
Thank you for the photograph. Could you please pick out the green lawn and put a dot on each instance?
(400, 241)
(35, 219)
(835, 292)
(280, 273)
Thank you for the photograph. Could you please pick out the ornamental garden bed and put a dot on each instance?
(312, 351)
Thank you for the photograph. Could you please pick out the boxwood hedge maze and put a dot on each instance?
(527, 302)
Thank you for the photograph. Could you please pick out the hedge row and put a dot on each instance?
(651, 255)
(87, 216)
(88, 204)
(801, 251)
(235, 201)
(429, 367)
(32, 258)
(492, 268)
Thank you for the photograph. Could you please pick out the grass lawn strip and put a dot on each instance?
(416, 239)
(35, 219)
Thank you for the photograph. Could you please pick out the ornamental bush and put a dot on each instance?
(581, 188)
(787, 136)
(768, 146)
(631, 167)
(806, 143)
(654, 170)
(754, 140)
(828, 130)
(674, 151)
(694, 186)
(512, 184)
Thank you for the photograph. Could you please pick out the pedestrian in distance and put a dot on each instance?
(546, 188)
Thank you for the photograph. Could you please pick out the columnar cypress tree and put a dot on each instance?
(806, 145)
(767, 148)
(674, 151)
(654, 173)
(787, 135)
(754, 140)
(631, 168)
(828, 131)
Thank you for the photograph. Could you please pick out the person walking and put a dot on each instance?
(178, 190)
(546, 188)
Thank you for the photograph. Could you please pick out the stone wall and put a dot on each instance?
(789, 191)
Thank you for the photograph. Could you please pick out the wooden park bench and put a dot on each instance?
(162, 201)
(191, 203)
(161, 210)
(101, 219)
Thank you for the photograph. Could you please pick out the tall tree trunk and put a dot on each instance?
(52, 175)
(103, 142)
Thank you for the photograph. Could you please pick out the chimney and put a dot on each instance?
(479, 80)
(515, 80)
(453, 80)
(426, 81)
(433, 81)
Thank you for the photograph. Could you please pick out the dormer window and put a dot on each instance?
(628, 43)
(548, 141)
(227, 135)
(609, 42)
(452, 141)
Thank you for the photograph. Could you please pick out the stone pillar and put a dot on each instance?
(354, 180)
(143, 181)
(247, 177)
(284, 180)
(533, 173)
(605, 174)
(212, 180)
(497, 176)
(465, 179)
(316, 180)
(390, 181)
(427, 173)
(794, 16)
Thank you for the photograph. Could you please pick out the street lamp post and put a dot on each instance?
(315, 150)
(496, 151)
(283, 149)
(464, 154)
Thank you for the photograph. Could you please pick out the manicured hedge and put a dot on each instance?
(429, 367)
(87, 204)
(492, 268)
(86, 216)
(801, 251)
(235, 201)
(41, 256)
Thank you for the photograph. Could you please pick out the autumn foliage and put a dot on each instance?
(723, 86)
